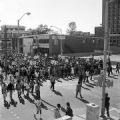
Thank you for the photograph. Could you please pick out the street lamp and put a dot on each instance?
(28, 13)
(61, 46)
(18, 22)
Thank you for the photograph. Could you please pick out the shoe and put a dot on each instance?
(35, 116)
(81, 97)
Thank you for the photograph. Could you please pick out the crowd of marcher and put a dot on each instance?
(34, 70)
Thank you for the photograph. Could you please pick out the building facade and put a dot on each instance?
(9, 38)
(51, 44)
(46, 43)
(99, 31)
(78, 44)
(114, 22)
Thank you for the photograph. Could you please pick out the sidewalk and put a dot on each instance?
(114, 115)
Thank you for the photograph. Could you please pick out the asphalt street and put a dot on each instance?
(64, 92)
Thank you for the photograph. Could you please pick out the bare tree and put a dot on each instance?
(72, 28)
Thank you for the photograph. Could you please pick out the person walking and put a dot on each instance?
(18, 87)
(10, 88)
(78, 89)
(38, 108)
(52, 83)
(117, 68)
(32, 85)
(22, 86)
(107, 104)
(27, 89)
(87, 75)
(4, 91)
(37, 90)
(69, 110)
(57, 112)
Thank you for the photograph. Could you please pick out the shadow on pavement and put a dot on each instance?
(113, 77)
(29, 99)
(21, 100)
(59, 80)
(89, 85)
(63, 109)
(35, 97)
(48, 103)
(66, 79)
(85, 88)
(44, 106)
(83, 100)
(7, 105)
(57, 93)
(107, 118)
(13, 102)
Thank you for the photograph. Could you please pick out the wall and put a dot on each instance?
(27, 42)
(73, 44)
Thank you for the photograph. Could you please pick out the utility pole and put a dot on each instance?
(61, 42)
(18, 45)
(18, 50)
(5, 48)
(106, 36)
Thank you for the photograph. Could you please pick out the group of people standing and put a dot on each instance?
(33, 72)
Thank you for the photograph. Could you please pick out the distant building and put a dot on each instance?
(51, 44)
(99, 31)
(114, 22)
(81, 33)
(83, 44)
(12, 35)
(46, 43)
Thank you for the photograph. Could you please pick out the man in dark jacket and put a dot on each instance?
(107, 104)
(10, 88)
(69, 110)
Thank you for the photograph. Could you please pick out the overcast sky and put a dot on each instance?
(86, 13)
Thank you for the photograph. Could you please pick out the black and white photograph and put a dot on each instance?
(59, 59)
